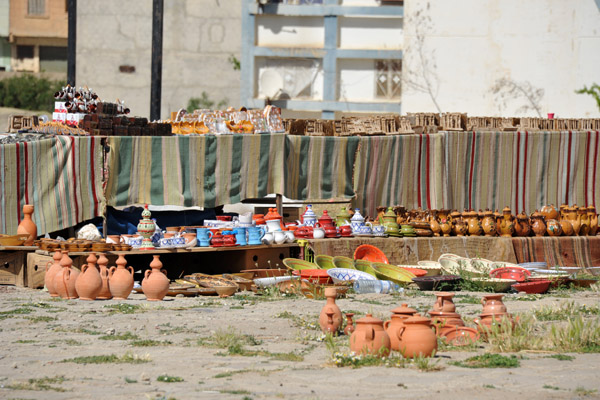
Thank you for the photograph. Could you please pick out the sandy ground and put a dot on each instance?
(37, 333)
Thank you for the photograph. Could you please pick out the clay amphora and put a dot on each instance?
(492, 304)
(349, 324)
(549, 212)
(507, 227)
(434, 224)
(369, 337)
(330, 318)
(473, 223)
(538, 226)
(522, 227)
(444, 302)
(104, 293)
(555, 228)
(489, 223)
(89, 282)
(155, 283)
(392, 326)
(51, 270)
(27, 226)
(121, 279)
(572, 216)
(593, 217)
(65, 279)
(417, 338)
(585, 221)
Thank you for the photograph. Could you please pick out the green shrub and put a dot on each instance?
(29, 92)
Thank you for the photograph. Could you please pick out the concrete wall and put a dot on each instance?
(199, 37)
(547, 48)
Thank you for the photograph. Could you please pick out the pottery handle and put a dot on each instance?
(164, 271)
(329, 317)
(66, 277)
(112, 271)
(130, 268)
(48, 264)
(483, 301)
(400, 332)
(386, 324)
(84, 268)
(210, 235)
(262, 232)
(370, 334)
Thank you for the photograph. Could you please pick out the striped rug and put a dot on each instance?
(60, 176)
(570, 251)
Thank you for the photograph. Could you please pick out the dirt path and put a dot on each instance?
(250, 347)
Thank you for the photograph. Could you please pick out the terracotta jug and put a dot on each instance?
(489, 223)
(51, 272)
(121, 279)
(555, 228)
(155, 283)
(492, 304)
(349, 324)
(417, 338)
(330, 319)
(444, 302)
(434, 223)
(538, 226)
(474, 224)
(392, 326)
(572, 216)
(441, 319)
(89, 282)
(522, 227)
(401, 217)
(104, 293)
(459, 226)
(593, 217)
(549, 212)
(507, 227)
(380, 212)
(65, 279)
(27, 226)
(498, 217)
(445, 222)
(369, 337)
(585, 221)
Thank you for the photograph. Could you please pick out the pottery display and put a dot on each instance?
(349, 324)
(146, 228)
(65, 279)
(492, 304)
(417, 337)
(434, 223)
(325, 220)
(459, 227)
(507, 227)
(342, 218)
(522, 226)
(369, 337)
(572, 216)
(318, 233)
(390, 222)
(401, 217)
(473, 223)
(121, 279)
(393, 326)
(104, 293)
(593, 218)
(52, 268)
(309, 218)
(357, 221)
(555, 228)
(330, 318)
(155, 284)
(538, 226)
(27, 226)
(441, 319)
(550, 212)
(584, 220)
(89, 282)
(444, 302)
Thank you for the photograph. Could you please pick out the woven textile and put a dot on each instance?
(570, 251)
(60, 176)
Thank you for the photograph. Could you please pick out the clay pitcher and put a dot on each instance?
(51, 272)
(330, 318)
(537, 224)
(434, 223)
(349, 324)
(392, 326)
(89, 282)
(572, 216)
(380, 212)
(489, 223)
(522, 227)
(65, 279)
(474, 224)
(549, 212)
(593, 217)
(27, 226)
(507, 227)
(121, 279)
(369, 337)
(104, 293)
(585, 221)
(417, 338)
(492, 304)
(444, 302)
(498, 217)
(155, 283)
(459, 226)
(555, 228)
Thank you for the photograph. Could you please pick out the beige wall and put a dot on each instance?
(198, 38)
(53, 24)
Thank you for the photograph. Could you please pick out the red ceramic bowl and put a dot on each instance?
(370, 253)
(416, 271)
(535, 287)
(517, 274)
(314, 275)
(461, 335)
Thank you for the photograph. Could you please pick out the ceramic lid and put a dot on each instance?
(357, 216)
(309, 212)
(146, 213)
(325, 216)
(390, 212)
(506, 210)
(404, 309)
(417, 319)
(370, 320)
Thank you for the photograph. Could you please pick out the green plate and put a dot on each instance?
(393, 273)
(365, 266)
(343, 262)
(324, 261)
(298, 265)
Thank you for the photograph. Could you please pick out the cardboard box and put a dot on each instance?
(59, 106)
(59, 117)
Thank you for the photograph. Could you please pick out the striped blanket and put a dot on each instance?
(60, 176)
(570, 251)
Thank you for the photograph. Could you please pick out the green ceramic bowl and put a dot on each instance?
(324, 261)
(298, 265)
(365, 266)
(393, 273)
(343, 262)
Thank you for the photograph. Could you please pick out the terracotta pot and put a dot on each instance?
(65, 279)
(349, 324)
(537, 224)
(444, 302)
(121, 279)
(498, 217)
(155, 283)
(555, 228)
(440, 320)
(549, 212)
(51, 270)
(593, 217)
(392, 326)
(584, 220)
(572, 216)
(330, 318)
(89, 282)
(417, 337)
(459, 227)
(486, 321)
(507, 227)
(473, 223)
(434, 223)
(489, 223)
(369, 337)
(492, 304)
(27, 226)
(522, 227)
(105, 290)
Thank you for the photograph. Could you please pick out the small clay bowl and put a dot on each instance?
(225, 291)
(460, 335)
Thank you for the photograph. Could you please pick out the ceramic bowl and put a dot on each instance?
(324, 261)
(225, 291)
(459, 266)
(13, 240)
(496, 284)
(370, 253)
(550, 272)
(433, 268)
(536, 287)
(365, 266)
(343, 262)
(314, 275)
(461, 336)
(296, 264)
(339, 275)
(393, 273)
(440, 282)
(517, 273)
(418, 272)
(530, 266)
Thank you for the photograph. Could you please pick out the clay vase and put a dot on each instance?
(369, 337)
(538, 226)
(51, 272)
(393, 326)
(492, 304)
(434, 223)
(522, 227)
(121, 279)
(155, 283)
(585, 221)
(444, 302)
(549, 212)
(572, 216)
(489, 223)
(89, 282)
(473, 223)
(555, 228)
(65, 279)
(507, 227)
(27, 226)
(330, 318)
(349, 324)
(104, 293)
(593, 217)
(417, 337)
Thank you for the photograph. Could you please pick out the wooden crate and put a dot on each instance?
(36, 268)
(12, 268)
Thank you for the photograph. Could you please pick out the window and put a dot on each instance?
(387, 78)
(24, 52)
(36, 7)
